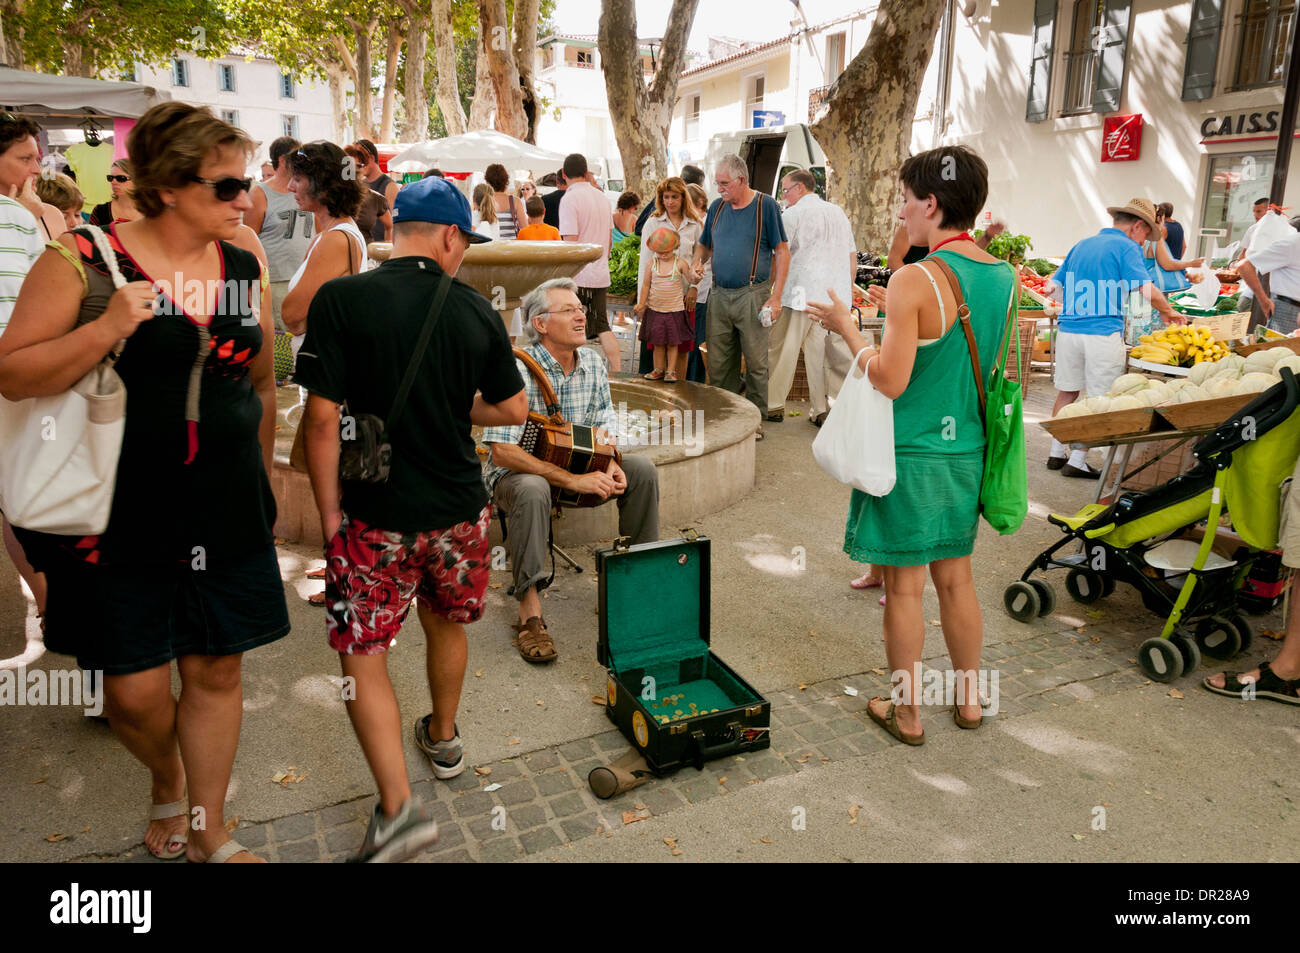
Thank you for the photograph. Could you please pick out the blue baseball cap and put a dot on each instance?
(438, 201)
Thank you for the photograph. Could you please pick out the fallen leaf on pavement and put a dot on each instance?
(853, 813)
(478, 673)
(802, 687)
(495, 585)
(765, 840)
(812, 633)
(40, 780)
(598, 699)
(1079, 630)
(640, 807)
(1175, 693)
(803, 759)
(1077, 836)
(676, 852)
(877, 671)
(1270, 634)
(55, 838)
(540, 702)
(935, 622)
(482, 772)
(231, 824)
(86, 829)
(1133, 660)
(722, 780)
(670, 841)
(631, 817)
(1094, 639)
(513, 741)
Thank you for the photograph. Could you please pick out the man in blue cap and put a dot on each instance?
(422, 533)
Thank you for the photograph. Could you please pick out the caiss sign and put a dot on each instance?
(1121, 139)
(1262, 124)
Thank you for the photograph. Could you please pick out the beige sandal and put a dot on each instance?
(889, 721)
(534, 642)
(161, 812)
(227, 850)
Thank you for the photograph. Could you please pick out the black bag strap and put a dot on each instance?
(758, 238)
(417, 356)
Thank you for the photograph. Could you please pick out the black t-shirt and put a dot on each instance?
(552, 202)
(361, 330)
(644, 217)
(380, 185)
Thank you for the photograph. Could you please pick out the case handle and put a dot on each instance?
(705, 752)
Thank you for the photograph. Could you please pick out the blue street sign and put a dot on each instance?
(768, 117)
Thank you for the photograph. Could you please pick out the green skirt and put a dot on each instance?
(931, 513)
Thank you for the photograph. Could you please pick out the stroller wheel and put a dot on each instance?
(1160, 660)
(1046, 597)
(1084, 585)
(1218, 638)
(1022, 601)
(1107, 586)
(1244, 629)
(1189, 650)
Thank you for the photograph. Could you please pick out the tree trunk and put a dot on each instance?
(416, 127)
(526, 59)
(484, 102)
(641, 116)
(337, 74)
(361, 76)
(494, 29)
(444, 51)
(390, 79)
(867, 130)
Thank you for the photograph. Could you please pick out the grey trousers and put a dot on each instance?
(525, 499)
(734, 329)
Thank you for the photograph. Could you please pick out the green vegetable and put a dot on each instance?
(1219, 263)
(1042, 266)
(624, 263)
(1028, 302)
(1010, 247)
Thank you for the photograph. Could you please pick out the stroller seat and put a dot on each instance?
(1082, 518)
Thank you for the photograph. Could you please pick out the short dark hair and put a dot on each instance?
(575, 166)
(956, 177)
(15, 128)
(548, 180)
(1165, 210)
(692, 175)
(369, 147)
(169, 143)
(321, 164)
(628, 199)
(282, 147)
(1125, 219)
(804, 178)
(433, 173)
(535, 207)
(496, 176)
(1263, 201)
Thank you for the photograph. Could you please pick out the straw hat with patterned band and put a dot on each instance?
(1144, 209)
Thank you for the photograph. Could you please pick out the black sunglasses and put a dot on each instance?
(118, 178)
(227, 189)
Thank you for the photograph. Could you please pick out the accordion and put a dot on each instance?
(570, 447)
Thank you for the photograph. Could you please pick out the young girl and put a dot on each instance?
(661, 307)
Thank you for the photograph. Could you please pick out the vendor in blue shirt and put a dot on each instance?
(1093, 284)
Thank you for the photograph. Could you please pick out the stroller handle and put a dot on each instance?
(1266, 411)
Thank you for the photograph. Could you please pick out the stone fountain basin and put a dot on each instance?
(515, 267)
(700, 438)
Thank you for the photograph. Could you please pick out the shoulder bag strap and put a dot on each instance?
(549, 397)
(758, 239)
(1013, 311)
(110, 261)
(963, 315)
(417, 357)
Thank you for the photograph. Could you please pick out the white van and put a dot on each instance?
(770, 153)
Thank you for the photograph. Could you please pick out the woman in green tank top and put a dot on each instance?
(923, 364)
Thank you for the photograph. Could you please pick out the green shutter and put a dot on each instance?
(1112, 53)
(1040, 64)
(1202, 49)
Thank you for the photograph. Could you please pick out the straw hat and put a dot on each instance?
(1144, 209)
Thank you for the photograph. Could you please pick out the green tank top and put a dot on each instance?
(939, 412)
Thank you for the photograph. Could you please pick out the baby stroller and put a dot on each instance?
(1140, 539)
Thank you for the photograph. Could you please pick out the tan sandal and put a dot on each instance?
(161, 812)
(226, 851)
(963, 722)
(534, 642)
(889, 721)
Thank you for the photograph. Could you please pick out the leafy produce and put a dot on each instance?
(624, 261)
(1179, 345)
(872, 270)
(1009, 247)
(1042, 266)
(1028, 302)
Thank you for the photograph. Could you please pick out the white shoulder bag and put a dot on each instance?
(856, 443)
(59, 466)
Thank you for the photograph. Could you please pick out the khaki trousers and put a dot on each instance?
(733, 330)
(826, 361)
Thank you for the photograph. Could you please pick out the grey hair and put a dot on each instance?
(734, 165)
(538, 301)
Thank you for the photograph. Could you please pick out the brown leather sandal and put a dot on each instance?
(963, 722)
(889, 721)
(534, 642)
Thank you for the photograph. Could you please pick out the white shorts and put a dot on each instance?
(1089, 362)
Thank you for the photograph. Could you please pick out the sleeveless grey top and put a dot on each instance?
(285, 234)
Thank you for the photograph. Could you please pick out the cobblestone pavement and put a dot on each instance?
(543, 800)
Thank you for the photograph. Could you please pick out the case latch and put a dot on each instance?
(690, 534)
(753, 710)
(623, 543)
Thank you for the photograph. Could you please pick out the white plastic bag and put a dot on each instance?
(856, 443)
(1272, 227)
(1207, 290)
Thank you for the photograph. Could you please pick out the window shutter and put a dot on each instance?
(1040, 63)
(1112, 48)
(1202, 49)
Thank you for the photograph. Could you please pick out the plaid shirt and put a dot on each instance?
(583, 395)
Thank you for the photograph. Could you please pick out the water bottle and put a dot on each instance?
(765, 317)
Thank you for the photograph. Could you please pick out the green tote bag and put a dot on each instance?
(1004, 491)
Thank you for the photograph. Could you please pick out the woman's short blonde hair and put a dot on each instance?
(168, 146)
(60, 191)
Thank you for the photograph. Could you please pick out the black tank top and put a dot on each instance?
(915, 253)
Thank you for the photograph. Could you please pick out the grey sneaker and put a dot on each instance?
(447, 757)
(391, 841)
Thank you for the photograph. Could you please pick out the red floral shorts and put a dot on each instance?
(372, 575)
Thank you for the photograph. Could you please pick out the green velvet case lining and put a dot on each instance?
(652, 609)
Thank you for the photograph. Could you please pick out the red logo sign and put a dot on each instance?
(1121, 138)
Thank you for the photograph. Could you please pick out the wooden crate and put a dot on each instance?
(1204, 413)
(1158, 473)
(1028, 335)
(1292, 343)
(1101, 429)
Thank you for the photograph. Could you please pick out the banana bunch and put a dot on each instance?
(1180, 345)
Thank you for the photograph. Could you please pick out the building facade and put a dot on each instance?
(250, 92)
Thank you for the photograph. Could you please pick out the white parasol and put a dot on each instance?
(473, 152)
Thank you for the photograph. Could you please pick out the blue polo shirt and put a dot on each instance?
(1097, 276)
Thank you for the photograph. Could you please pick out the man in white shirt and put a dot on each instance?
(822, 259)
(585, 216)
(1280, 303)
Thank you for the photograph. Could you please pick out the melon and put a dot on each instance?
(1231, 373)
(1292, 361)
(1263, 361)
(1072, 410)
(1128, 383)
(1200, 373)
(1175, 384)
(1126, 402)
(1097, 405)
(1255, 383)
(1221, 387)
(1190, 394)
(1235, 361)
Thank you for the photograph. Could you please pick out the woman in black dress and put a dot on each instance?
(186, 569)
(120, 208)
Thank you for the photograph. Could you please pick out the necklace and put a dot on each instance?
(956, 238)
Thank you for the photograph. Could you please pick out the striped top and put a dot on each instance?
(507, 227)
(20, 246)
(668, 286)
